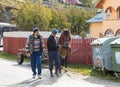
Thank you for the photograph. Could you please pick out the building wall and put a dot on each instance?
(113, 23)
(111, 3)
(96, 29)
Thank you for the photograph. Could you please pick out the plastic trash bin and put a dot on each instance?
(115, 46)
(102, 54)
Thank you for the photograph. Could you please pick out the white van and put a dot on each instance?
(6, 27)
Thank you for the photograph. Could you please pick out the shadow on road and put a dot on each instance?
(46, 80)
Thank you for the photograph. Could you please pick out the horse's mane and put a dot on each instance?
(66, 34)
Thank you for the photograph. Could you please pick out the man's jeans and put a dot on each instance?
(36, 60)
(54, 56)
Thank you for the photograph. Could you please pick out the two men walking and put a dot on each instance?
(34, 47)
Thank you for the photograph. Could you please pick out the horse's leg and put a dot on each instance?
(65, 64)
(61, 61)
(61, 64)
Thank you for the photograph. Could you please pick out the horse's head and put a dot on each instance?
(65, 37)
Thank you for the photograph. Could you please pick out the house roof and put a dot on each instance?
(97, 18)
(99, 4)
(75, 2)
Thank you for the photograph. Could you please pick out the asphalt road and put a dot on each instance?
(14, 75)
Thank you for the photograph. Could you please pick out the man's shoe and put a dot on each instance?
(56, 73)
(60, 71)
(34, 76)
(39, 77)
(51, 75)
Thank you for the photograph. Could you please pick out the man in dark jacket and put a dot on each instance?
(53, 54)
(34, 46)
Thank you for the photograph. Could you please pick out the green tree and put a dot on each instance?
(31, 15)
(78, 18)
(59, 19)
(55, 21)
(88, 3)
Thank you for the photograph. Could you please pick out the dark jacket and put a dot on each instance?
(52, 43)
(30, 43)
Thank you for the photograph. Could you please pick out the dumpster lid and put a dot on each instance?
(99, 41)
(117, 41)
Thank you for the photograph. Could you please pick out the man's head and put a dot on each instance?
(54, 31)
(36, 31)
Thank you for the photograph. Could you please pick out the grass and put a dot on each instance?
(77, 68)
(80, 68)
(10, 56)
(88, 70)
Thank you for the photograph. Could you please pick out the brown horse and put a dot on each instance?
(64, 41)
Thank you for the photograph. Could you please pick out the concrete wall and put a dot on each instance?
(113, 23)
(95, 30)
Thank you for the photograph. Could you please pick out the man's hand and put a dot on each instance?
(28, 54)
(60, 46)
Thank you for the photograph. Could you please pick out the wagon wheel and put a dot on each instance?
(20, 58)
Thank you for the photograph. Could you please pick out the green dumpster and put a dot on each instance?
(102, 54)
(115, 46)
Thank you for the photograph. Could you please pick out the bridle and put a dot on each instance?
(65, 44)
(66, 37)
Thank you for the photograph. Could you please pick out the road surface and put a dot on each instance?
(14, 75)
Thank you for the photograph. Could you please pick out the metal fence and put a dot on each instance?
(81, 52)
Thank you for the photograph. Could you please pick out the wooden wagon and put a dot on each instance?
(23, 54)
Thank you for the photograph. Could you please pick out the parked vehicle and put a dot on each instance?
(6, 27)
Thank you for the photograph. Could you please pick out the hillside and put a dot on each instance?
(5, 9)
(7, 5)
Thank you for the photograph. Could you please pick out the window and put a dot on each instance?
(118, 33)
(118, 13)
(108, 14)
(109, 33)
